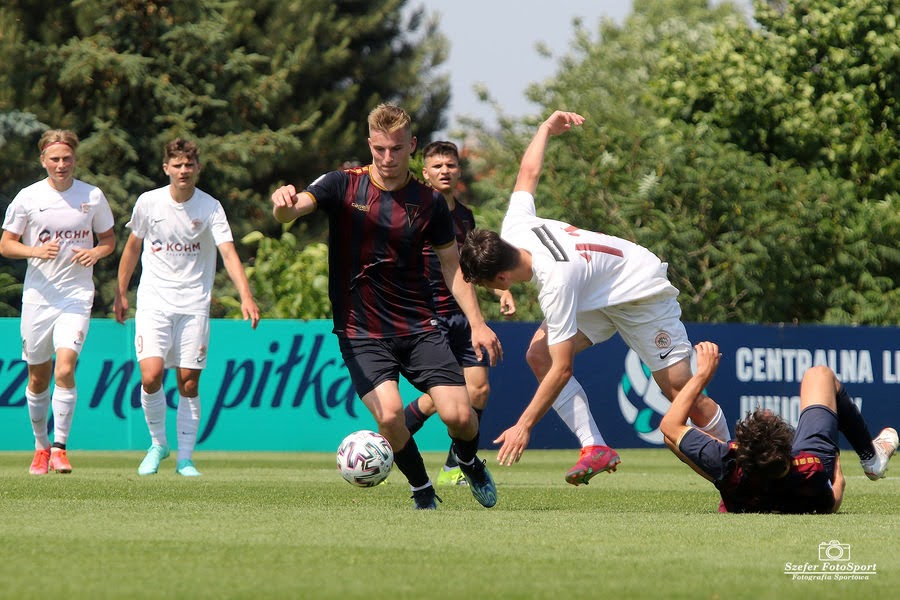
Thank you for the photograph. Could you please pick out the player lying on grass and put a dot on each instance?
(770, 467)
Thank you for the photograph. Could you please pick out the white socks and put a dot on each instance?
(717, 427)
(155, 414)
(572, 407)
(37, 410)
(188, 422)
(63, 405)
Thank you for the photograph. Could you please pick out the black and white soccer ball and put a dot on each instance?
(365, 458)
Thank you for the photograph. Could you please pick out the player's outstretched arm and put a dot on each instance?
(515, 439)
(533, 160)
(674, 422)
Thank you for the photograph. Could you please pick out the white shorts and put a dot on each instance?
(180, 340)
(651, 327)
(45, 329)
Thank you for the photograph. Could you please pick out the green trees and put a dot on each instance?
(771, 203)
(273, 91)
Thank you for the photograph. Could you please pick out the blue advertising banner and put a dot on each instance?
(761, 365)
(285, 387)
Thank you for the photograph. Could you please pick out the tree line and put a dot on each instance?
(759, 159)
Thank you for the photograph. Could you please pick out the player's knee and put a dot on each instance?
(478, 394)
(820, 373)
(538, 360)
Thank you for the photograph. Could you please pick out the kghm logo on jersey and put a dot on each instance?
(641, 401)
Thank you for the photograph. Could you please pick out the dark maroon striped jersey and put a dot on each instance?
(444, 302)
(805, 489)
(376, 240)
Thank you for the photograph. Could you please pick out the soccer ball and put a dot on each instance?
(365, 458)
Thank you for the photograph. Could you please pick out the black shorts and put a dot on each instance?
(458, 332)
(817, 433)
(425, 360)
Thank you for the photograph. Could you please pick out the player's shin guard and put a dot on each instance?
(63, 404)
(188, 421)
(465, 450)
(414, 417)
(409, 460)
(154, 406)
(572, 407)
(37, 410)
(853, 426)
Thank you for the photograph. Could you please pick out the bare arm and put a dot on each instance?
(288, 205)
(482, 335)
(533, 160)
(674, 422)
(127, 263)
(11, 247)
(837, 485)
(516, 438)
(235, 270)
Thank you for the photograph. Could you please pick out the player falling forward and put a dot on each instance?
(591, 286)
(770, 467)
(52, 224)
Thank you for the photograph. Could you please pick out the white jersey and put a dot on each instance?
(178, 261)
(40, 214)
(578, 271)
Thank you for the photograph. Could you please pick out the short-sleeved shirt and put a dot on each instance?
(445, 304)
(39, 214)
(178, 261)
(376, 240)
(577, 270)
(805, 489)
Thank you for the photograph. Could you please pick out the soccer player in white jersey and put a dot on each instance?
(52, 224)
(179, 226)
(590, 286)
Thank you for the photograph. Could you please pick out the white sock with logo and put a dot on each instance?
(155, 414)
(572, 407)
(37, 410)
(188, 421)
(63, 404)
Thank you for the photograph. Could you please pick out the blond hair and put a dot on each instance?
(388, 118)
(58, 136)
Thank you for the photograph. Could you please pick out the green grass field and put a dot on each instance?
(265, 525)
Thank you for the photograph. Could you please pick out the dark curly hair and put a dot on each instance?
(764, 443)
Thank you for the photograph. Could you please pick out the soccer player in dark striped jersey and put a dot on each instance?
(442, 170)
(769, 466)
(380, 219)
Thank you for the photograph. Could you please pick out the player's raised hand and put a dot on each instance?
(708, 357)
(561, 121)
(284, 197)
